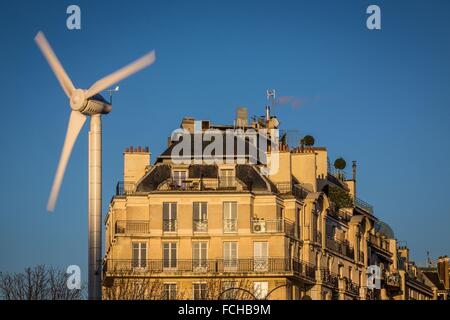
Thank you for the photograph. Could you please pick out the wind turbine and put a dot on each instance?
(87, 103)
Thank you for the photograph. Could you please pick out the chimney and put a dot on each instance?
(188, 124)
(267, 114)
(241, 117)
(354, 170)
(135, 163)
(443, 271)
(403, 252)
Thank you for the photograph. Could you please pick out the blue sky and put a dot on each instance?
(379, 97)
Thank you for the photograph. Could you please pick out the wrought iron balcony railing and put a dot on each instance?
(230, 225)
(204, 266)
(329, 278)
(341, 247)
(169, 225)
(379, 242)
(200, 225)
(132, 227)
(124, 188)
(351, 287)
(273, 226)
(363, 205)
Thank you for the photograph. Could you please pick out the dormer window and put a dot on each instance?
(226, 178)
(179, 178)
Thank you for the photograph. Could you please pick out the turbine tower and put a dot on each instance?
(87, 103)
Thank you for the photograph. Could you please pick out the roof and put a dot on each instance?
(154, 178)
(331, 178)
(385, 229)
(434, 278)
(250, 151)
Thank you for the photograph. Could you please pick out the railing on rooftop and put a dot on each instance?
(197, 184)
(363, 205)
(124, 188)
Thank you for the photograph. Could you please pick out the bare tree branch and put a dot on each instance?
(38, 283)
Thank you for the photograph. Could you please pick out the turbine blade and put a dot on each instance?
(121, 74)
(54, 63)
(76, 122)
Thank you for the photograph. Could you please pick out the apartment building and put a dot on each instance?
(233, 230)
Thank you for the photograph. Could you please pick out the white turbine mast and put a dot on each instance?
(87, 103)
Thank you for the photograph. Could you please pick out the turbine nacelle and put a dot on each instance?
(89, 106)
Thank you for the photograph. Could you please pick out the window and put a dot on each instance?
(200, 256)
(139, 255)
(226, 178)
(350, 273)
(169, 216)
(179, 177)
(230, 216)
(230, 255)
(341, 271)
(170, 255)
(298, 226)
(315, 227)
(279, 213)
(200, 291)
(261, 256)
(260, 289)
(200, 216)
(170, 291)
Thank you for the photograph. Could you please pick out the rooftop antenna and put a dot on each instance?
(429, 260)
(111, 91)
(271, 96)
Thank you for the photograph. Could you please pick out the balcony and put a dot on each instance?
(351, 287)
(169, 225)
(296, 190)
(379, 242)
(363, 205)
(329, 278)
(392, 280)
(341, 247)
(273, 226)
(200, 225)
(207, 184)
(124, 188)
(294, 267)
(132, 227)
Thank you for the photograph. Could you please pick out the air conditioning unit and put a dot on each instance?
(259, 226)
